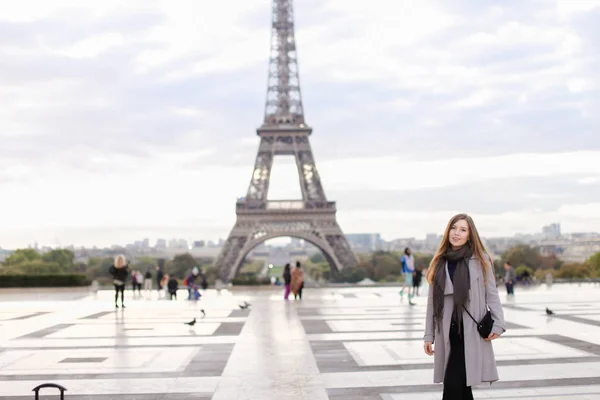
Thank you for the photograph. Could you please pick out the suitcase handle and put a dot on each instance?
(49, 385)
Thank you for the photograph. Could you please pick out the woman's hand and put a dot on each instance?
(492, 337)
(428, 347)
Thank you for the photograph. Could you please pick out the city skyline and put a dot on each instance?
(139, 121)
(551, 231)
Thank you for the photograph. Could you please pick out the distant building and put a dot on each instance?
(432, 240)
(4, 253)
(551, 231)
(178, 244)
(365, 241)
(297, 243)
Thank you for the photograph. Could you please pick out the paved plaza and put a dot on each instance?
(351, 343)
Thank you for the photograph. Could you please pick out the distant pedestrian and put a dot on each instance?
(417, 275)
(548, 279)
(287, 279)
(408, 268)
(297, 282)
(119, 272)
(148, 281)
(139, 281)
(173, 285)
(165, 286)
(509, 278)
(203, 281)
(190, 281)
(159, 280)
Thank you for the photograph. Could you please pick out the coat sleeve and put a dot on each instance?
(429, 334)
(492, 299)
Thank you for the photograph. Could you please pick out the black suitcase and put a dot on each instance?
(49, 385)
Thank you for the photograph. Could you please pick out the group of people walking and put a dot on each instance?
(293, 280)
(166, 285)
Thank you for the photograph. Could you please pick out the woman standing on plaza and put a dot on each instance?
(119, 272)
(462, 282)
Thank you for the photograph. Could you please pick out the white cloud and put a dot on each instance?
(164, 192)
(35, 10)
(567, 9)
(93, 46)
(374, 174)
(589, 180)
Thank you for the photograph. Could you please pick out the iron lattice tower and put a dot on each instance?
(284, 132)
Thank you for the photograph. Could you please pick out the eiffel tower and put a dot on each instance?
(284, 132)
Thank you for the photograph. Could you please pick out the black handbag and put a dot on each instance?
(484, 327)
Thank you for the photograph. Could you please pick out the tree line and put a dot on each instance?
(62, 261)
(380, 266)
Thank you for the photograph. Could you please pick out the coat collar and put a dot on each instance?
(474, 272)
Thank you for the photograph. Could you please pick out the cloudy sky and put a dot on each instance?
(123, 120)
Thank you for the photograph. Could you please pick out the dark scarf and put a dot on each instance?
(461, 283)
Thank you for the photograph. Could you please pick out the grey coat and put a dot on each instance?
(479, 354)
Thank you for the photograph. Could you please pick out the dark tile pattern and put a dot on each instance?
(316, 326)
(46, 331)
(22, 317)
(98, 315)
(374, 393)
(574, 318)
(73, 360)
(229, 329)
(332, 356)
(210, 360)
(574, 343)
(239, 313)
(512, 325)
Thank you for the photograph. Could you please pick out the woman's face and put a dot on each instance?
(459, 233)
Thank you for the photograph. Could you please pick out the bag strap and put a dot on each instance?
(465, 308)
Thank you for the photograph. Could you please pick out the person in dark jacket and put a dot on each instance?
(191, 281)
(159, 277)
(287, 278)
(119, 272)
(173, 285)
(203, 281)
(417, 276)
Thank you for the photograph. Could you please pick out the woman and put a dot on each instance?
(461, 277)
(297, 283)
(287, 279)
(119, 272)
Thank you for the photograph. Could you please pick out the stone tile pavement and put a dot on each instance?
(347, 343)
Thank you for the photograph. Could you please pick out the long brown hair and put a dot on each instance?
(479, 251)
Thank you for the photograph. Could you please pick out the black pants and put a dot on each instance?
(455, 380)
(119, 288)
(510, 288)
(299, 291)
